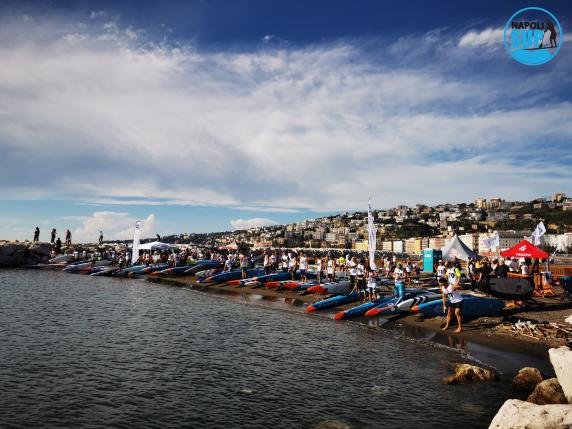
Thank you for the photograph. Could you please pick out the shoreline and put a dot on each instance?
(487, 336)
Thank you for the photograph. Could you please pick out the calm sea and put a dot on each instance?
(98, 352)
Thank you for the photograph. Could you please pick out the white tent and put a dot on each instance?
(457, 249)
(157, 245)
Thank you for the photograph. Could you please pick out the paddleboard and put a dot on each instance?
(335, 301)
(472, 307)
(510, 288)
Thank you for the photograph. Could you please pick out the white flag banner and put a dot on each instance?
(372, 232)
(538, 232)
(135, 248)
(561, 244)
(494, 241)
(487, 243)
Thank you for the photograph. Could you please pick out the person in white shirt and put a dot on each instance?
(372, 285)
(441, 270)
(399, 285)
(351, 266)
(331, 268)
(303, 263)
(284, 262)
(292, 265)
(524, 269)
(450, 287)
(228, 263)
(319, 268)
(408, 271)
(273, 262)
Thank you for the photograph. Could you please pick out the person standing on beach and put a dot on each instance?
(37, 235)
(244, 262)
(331, 268)
(58, 246)
(273, 261)
(342, 264)
(303, 263)
(292, 265)
(360, 279)
(408, 271)
(100, 238)
(399, 278)
(319, 268)
(441, 270)
(68, 238)
(371, 284)
(266, 263)
(351, 269)
(451, 291)
(284, 262)
(53, 238)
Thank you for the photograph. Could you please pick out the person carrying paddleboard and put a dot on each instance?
(451, 292)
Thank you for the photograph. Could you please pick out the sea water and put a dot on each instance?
(98, 352)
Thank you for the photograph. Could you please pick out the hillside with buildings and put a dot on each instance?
(409, 230)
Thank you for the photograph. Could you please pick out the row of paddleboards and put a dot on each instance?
(427, 302)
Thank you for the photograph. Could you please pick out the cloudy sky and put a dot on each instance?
(216, 115)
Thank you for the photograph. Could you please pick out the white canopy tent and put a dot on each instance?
(457, 249)
(157, 245)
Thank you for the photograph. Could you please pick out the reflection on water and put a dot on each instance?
(101, 352)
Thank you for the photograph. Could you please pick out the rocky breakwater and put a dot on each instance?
(550, 403)
(20, 254)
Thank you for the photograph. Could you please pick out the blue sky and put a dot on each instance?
(213, 115)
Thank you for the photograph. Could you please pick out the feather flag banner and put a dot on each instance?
(372, 233)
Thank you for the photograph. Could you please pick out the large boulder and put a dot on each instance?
(17, 254)
(8, 248)
(527, 379)
(515, 414)
(548, 392)
(41, 249)
(561, 359)
(465, 373)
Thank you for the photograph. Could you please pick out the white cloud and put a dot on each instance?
(115, 226)
(489, 37)
(251, 223)
(97, 14)
(101, 116)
